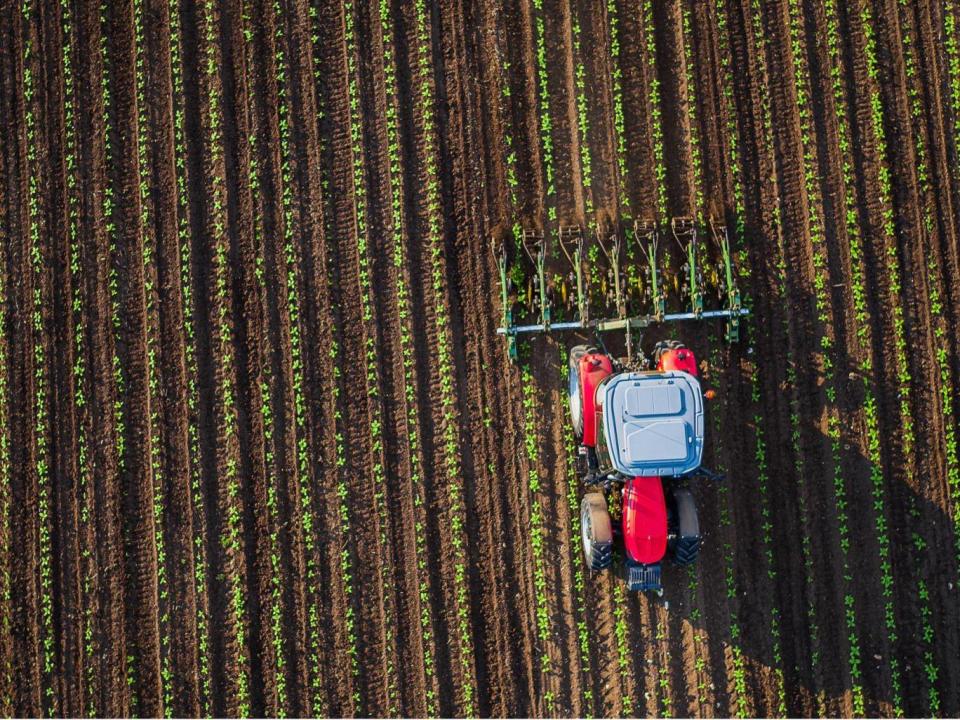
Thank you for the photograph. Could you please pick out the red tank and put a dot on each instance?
(594, 367)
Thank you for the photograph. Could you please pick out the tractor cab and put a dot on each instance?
(651, 423)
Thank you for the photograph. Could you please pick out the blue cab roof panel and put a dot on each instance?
(653, 422)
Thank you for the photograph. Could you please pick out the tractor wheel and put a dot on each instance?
(664, 345)
(596, 531)
(573, 389)
(684, 543)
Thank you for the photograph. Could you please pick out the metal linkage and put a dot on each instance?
(571, 243)
(649, 238)
(720, 237)
(637, 323)
(535, 247)
(500, 255)
(611, 248)
(685, 232)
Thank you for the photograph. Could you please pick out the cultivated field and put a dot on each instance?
(261, 449)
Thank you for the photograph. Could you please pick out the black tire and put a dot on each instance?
(573, 389)
(684, 545)
(663, 346)
(595, 531)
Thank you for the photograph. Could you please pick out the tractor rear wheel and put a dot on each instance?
(573, 389)
(684, 533)
(596, 531)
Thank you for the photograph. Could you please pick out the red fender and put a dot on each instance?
(644, 519)
(594, 367)
(678, 359)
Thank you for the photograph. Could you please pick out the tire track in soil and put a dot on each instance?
(64, 439)
(299, 601)
(421, 90)
(140, 553)
(516, 30)
(354, 341)
(416, 687)
(111, 694)
(7, 687)
(318, 329)
(26, 639)
(175, 450)
(216, 363)
(252, 416)
(384, 327)
(762, 217)
(914, 213)
(472, 332)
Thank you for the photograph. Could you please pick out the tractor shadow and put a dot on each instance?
(761, 623)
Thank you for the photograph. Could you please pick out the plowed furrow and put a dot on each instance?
(278, 382)
(253, 419)
(172, 391)
(357, 398)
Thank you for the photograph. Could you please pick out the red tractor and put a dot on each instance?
(641, 435)
(640, 428)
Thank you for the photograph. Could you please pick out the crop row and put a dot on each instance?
(821, 281)
(112, 280)
(931, 669)
(650, 47)
(583, 120)
(936, 300)
(304, 478)
(900, 353)
(579, 581)
(730, 114)
(405, 310)
(695, 160)
(766, 126)
(149, 258)
(6, 665)
(543, 94)
(619, 123)
(531, 443)
(444, 362)
(184, 235)
(41, 400)
(230, 537)
(84, 479)
(266, 408)
(364, 254)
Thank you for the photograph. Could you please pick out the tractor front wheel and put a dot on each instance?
(596, 531)
(573, 389)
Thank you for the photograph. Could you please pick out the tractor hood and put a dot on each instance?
(653, 422)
